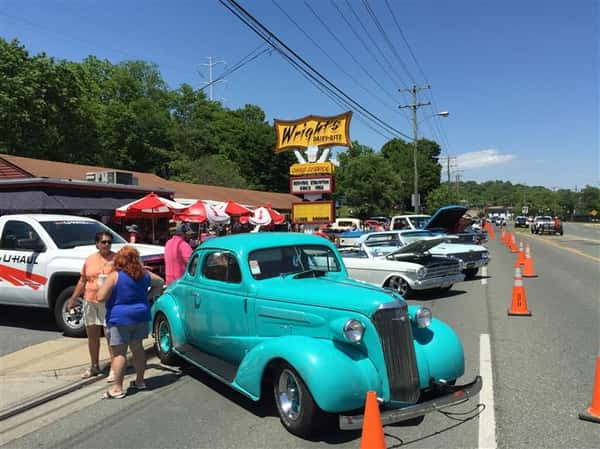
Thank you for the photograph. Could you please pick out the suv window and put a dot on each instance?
(18, 235)
(222, 266)
(71, 233)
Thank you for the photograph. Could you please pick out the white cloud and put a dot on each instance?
(482, 159)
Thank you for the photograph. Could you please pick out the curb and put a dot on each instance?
(58, 392)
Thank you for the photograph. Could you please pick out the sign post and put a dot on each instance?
(313, 175)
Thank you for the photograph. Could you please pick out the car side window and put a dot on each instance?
(18, 235)
(222, 266)
(193, 265)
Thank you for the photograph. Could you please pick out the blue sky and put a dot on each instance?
(519, 78)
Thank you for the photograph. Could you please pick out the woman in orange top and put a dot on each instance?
(96, 268)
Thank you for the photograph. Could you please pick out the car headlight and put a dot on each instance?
(461, 264)
(423, 317)
(422, 272)
(485, 255)
(354, 331)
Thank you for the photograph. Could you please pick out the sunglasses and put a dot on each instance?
(105, 242)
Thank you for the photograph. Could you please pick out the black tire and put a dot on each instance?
(401, 286)
(163, 341)
(297, 409)
(470, 273)
(70, 324)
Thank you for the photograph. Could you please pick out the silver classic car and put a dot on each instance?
(406, 269)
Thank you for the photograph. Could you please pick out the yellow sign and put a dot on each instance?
(313, 212)
(313, 130)
(594, 212)
(312, 168)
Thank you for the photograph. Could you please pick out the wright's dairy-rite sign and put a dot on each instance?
(313, 130)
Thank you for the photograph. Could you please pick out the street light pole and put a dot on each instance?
(416, 200)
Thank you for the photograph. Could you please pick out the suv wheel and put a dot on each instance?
(71, 324)
(297, 409)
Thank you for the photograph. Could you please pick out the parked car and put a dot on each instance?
(405, 269)
(473, 256)
(451, 220)
(521, 222)
(277, 312)
(345, 224)
(414, 221)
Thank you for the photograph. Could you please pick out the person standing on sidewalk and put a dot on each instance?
(95, 269)
(177, 253)
(125, 292)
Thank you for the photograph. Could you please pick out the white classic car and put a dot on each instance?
(473, 256)
(405, 269)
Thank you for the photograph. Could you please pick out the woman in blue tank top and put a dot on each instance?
(127, 316)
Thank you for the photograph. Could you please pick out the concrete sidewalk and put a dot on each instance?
(47, 370)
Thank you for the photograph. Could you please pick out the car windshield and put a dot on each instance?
(419, 222)
(284, 260)
(71, 233)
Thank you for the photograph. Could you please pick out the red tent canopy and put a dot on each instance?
(233, 208)
(149, 206)
(265, 215)
(199, 212)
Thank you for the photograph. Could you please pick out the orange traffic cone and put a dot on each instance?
(528, 271)
(592, 413)
(372, 431)
(512, 242)
(521, 256)
(503, 239)
(490, 230)
(518, 305)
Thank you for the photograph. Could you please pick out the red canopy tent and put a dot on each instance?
(199, 212)
(265, 215)
(233, 208)
(150, 206)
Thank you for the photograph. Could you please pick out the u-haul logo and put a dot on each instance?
(21, 278)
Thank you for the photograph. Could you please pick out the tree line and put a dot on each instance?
(125, 116)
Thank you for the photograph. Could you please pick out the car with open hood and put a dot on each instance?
(472, 256)
(452, 220)
(276, 315)
(405, 269)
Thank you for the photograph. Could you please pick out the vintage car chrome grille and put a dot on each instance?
(395, 333)
(440, 269)
(471, 256)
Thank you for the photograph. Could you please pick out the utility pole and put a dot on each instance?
(210, 82)
(416, 201)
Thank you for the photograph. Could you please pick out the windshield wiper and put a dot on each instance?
(310, 273)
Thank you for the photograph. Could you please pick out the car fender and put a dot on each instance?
(439, 352)
(167, 305)
(337, 374)
(411, 282)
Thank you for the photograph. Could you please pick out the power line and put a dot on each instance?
(301, 64)
(332, 59)
(387, 39)
(442, 133)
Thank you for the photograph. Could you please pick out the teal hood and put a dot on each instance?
(327, 291)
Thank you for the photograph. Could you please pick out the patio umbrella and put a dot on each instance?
(265, 215)
(150, 206)
(233, 208)
(199, 212)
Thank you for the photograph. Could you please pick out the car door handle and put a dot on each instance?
(197, 299)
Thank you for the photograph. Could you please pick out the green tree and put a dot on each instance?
(400, 155)
(368, 184)
(212, 169)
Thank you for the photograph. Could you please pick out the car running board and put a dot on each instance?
(209, 363)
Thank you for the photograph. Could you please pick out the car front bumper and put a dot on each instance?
(439, 282)
(454, 395)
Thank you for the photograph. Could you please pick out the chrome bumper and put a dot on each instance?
(455, 395)
(477, 263)
(440, 282)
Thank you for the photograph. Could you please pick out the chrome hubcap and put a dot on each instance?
(164, 337)
(289, 395)
(73, 320)
(399, 285)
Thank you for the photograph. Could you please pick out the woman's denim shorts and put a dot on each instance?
(120, 335)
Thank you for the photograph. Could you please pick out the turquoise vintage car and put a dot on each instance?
(277, 311)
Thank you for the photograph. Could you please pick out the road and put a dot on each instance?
(21, 327)
(542, 372)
